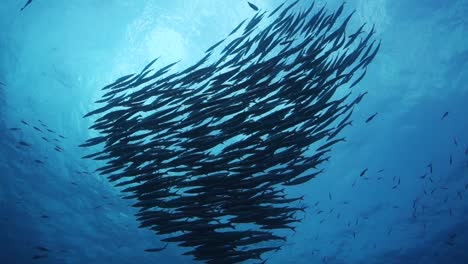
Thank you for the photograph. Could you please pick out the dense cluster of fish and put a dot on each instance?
(207, 152)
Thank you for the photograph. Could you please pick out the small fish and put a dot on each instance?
(329, 196)
(363, 172)
(455, 141)
(61, 136)
(15, 128)
(42, 248)
(254, 7)
(39, 161)
(24, 122)
(382, 170)
(451, 160)
(74, 183)
(370, 118)
(156, 249)
(44, 216)
(444, 115)
(466, 151)
(36, 128)
(430, 167)
(424, 176)
(50, 130)
(24, 144)
(45, 139)
(39, 256)
(2, 84)
(26, 5)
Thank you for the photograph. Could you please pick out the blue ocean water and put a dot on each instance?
(56, 55)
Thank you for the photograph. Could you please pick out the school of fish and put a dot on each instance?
(208, 153)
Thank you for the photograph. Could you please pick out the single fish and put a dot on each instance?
(39, 256)
(42, 248)
(156, 249)
(444, 115)
(370, 118)
(363, 172)
(26, 5)
(430, 167)
(254, 7)
(24, 144)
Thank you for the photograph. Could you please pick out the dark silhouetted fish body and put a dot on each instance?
(430, 167)
(371, 118)
(25, 5)
(42, 248)
(39, 256)
(444, 116)
(363, 172)
(156, 249)
(254, 7)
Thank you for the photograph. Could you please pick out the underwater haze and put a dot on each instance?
(394, 192)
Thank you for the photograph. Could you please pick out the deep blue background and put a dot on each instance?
(55, 56)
